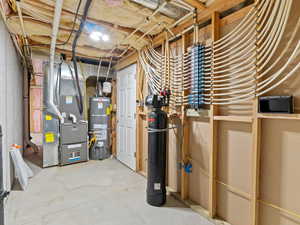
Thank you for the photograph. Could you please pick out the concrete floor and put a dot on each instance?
(93, 193)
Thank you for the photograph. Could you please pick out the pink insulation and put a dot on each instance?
(38, 80)
(37, 65)
(36, 97)
(36, 101)
(37, 121)
(6, 7)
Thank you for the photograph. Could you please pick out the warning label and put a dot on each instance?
(157, 186)
(49, 137)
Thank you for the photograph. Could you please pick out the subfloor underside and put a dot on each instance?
(93, 193)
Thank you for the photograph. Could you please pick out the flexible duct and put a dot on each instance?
(74, 45)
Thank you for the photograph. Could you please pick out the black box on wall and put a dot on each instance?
(276, 104)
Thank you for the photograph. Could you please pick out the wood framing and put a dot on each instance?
(185, 141)
(213, 131)
(138, 118)
(196, 4)
(243, 119)
(256, 139)
(228, 140)
(126, 61)
(216, 6)
(114, 119)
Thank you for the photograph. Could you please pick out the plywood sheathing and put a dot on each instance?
(279, 171)
(234, 168)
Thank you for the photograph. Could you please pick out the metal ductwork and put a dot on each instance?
(55, 27)
(169, 10)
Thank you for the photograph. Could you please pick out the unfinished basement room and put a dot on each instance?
(149, 112)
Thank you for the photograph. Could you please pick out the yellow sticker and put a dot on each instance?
(48, 117)
(49, 137)
(109, 109)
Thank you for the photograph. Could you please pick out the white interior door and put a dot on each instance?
(126, 111)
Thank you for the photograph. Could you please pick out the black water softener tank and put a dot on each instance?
(157, 144)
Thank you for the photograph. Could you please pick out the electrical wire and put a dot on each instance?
(74, 58)
(235, 63)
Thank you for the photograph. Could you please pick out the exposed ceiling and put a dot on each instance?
(115, 20)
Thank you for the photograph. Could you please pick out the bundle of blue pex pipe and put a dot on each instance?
(196, 97)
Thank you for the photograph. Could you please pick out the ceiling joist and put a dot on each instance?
(39, 5)
(196, 4)
(203, 16)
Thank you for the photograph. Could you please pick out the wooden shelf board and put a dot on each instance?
(280, 116)
(243, 119)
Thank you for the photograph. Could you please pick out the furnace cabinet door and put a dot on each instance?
(126, 111)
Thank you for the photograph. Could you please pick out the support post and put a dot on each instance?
(185, 139)
(256, 151)
(138, 118)
(256, 140)
(213, 128)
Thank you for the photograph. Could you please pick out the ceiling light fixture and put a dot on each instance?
(105, 37)
(96, 35)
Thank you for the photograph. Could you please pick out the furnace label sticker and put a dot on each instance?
(102, 135)
(74, 146)
(100, 105)
(100, 126)
(100, 144)
(49, 137)
(48, 117)
(69, 99)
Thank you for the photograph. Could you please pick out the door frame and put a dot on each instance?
(136, 152)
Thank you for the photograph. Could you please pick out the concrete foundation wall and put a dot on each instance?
(11, 100)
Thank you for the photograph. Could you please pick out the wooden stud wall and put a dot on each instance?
(256, 139)
(213, 126)
(217, 121)
(185, 139)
